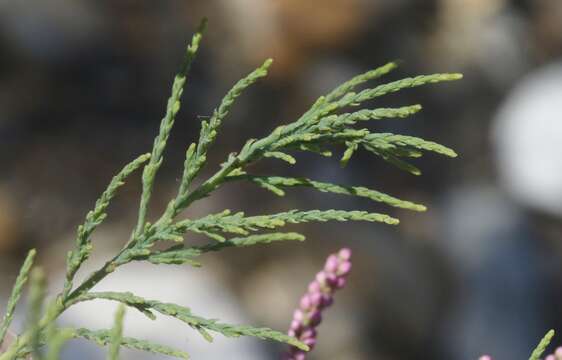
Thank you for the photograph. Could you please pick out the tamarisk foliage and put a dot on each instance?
(330, 124)
(539, 350)
(541, 347)
(16, 294)
(116, 334)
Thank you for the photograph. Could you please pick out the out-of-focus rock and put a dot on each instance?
(290, 31)
(9, 228)
(527, 133)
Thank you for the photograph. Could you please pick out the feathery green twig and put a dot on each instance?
(16, 293)
(116, 334)
(36, 299)
(541, 347)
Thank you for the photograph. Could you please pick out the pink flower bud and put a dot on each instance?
(344, 268)
(310, 342)
(305, 302)
(331, 280)
(296, 325)
(301, 355)
(315, 318)
(316, 299)
(321, 278)
(341, 282)
(344, 254)
(331, 263)
(314, 287)
(327, 300)
(308, 333)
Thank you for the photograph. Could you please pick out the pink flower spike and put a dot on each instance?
(319, 296)
(485, 357)
(550, 357)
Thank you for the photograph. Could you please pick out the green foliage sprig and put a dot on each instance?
(116, 334)
(324, 127)
(16, 293)
(541, 347)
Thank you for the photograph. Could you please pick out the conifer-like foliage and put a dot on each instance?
(541, 347)
(333, 122)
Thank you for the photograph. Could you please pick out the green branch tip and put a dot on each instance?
(37, 293)
(278, 182)
(16, 293)
(543, 344)
(116, 334)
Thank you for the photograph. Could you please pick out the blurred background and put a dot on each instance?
(83, 86)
